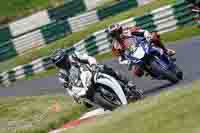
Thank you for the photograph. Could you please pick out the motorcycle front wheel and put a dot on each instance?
(106, 98)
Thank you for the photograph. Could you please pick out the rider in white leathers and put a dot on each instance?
(69, 66)
(70, 70)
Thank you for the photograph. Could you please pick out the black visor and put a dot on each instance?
(64, 64)
(117, 33)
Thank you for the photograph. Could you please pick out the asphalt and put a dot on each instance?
(188, 58)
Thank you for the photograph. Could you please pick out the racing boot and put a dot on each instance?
(122, 79)
(134, 93)
(170, 52)
(115, 74)
(131, 85)
(126, 84)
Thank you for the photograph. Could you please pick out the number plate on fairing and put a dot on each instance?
(139, 53)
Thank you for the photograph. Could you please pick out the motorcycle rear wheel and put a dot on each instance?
(179, 72)
(167, 74)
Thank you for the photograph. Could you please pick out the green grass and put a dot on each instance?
(170, 112)
(16, 7)
(46, 73)
(75, 37)
(106, 3)
(12, 9)
(17, 113)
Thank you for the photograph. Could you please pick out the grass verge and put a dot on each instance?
(75, 37)
(12, 9)
(170, 112)
(46, 73)
(22, 114)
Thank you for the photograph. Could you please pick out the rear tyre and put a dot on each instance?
(179, 72)
(169, 75)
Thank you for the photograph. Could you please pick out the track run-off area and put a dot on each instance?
(188, 58)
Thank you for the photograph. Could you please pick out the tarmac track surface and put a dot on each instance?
(188, 58)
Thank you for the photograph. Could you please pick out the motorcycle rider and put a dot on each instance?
(120, 42)
(69, 66)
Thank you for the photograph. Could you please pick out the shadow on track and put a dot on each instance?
(158, 89)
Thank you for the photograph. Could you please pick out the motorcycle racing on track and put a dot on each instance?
(145, 51)
(93, 84)
(98, 85)
(152, 60)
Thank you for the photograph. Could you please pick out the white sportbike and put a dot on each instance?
(101, 88)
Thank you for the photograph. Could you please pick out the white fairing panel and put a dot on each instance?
(86, 77)
(139, 53)
(113, 84)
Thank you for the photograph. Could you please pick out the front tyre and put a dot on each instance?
(108, 100)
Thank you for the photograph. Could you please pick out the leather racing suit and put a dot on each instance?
(124, 43)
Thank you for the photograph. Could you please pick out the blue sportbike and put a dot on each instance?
(153, 60)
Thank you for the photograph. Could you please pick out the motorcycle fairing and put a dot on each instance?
(109, 81)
